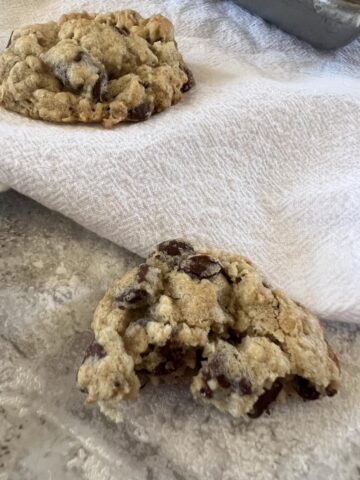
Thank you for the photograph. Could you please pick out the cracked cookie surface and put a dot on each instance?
(209, 318)
(105, 68)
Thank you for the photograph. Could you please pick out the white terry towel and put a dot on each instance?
(262, 157)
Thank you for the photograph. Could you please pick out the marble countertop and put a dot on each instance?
(52, 274)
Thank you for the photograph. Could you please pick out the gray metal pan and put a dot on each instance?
(323, 28)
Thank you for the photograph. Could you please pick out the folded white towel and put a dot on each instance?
(261, 157)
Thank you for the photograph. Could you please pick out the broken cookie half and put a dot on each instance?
(209, 318)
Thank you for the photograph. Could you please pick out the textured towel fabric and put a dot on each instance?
(261, 157)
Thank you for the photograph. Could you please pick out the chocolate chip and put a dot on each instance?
(63, 71)
(173, 353)
(142, 272)
(117, 384)
(97, 89)
(141, 112)
(83, 390)
(266, 399)
(95, 350)
(10, 39)
(144, 83)
(223, 381)
(174, 248)
(330, 391)
(234, 338)
(226, 275)
(245, 386)
(132, 298)
(122, 30)
(206, 392)
(306, 389)
(201, 266)
(190, 81)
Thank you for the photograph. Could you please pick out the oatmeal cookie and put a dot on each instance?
(210, 318)
(106, 68)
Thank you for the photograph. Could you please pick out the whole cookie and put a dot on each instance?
(208, 317)
(93, 68)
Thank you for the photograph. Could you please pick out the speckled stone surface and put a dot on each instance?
(52, 274)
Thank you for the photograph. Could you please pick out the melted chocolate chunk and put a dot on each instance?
(201, 266)
(10, 39)
(223, 381)
(62, 70)
(97, 88)
(95, 350)
(226, 275)
(132, 298)
(245, 386)
(190, 81)
(122, 30)
(206, 392)
(141, 112)
(306, 389)
(142, 272)
(174, 248)
(266, 399)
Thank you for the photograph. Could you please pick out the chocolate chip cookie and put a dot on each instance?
(106, 68)
(209, 318)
